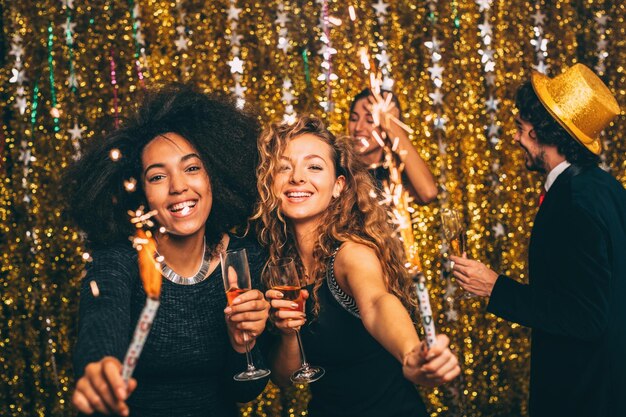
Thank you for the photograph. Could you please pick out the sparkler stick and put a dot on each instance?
(150, 273)
(398, 198)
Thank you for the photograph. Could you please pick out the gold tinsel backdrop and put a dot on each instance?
(68, 64)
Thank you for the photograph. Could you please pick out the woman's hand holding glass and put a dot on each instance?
(287, 315)
(246, 318)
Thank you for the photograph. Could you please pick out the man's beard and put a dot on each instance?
(535, 163)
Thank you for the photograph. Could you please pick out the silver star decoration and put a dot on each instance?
(443, 148)
(17, 50)
(139, 38)
(387, 83)
(380, 7)
(236, 65)
(20, 103)
(450, 288)
(20, 91)
(485, 29)
(493, 130)
(602, 19)
(287, 84)
(487, 55)
(233, 12)
(76, 132)
(539, 18)
(492, 104)
(437, 97)
(495, 166)
(498, 230)
(235, 39)
(282, 18)
(288, 97)
(494, 140)
(541, 67)
(451, 315)
(289, 118)
(283, 44)
(69, 26)
(483, 5)
(433, 44)
(440, 123)
(490, 78)
(601, 44)
(600, 68)
(238, 89)
(136, 11)
(181, 43)
(18, 76)
(436, 71)
(383, 59)
(181, 29)
(72, 81)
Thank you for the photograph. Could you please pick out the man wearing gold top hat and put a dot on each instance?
(575, 301)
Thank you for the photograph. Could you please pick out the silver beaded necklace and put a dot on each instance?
(199, 276)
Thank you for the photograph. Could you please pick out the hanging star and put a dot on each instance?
(20, 103)
(17, 50)
(443, 148)
(72, 81)
(238, 89)
(181, 29)
(69, 26)
(136, 11)
(18, 76)
(181, 43)
(283, 45)
(490, 78)
(495, 166)
(235, 39)
(437, 97)
(69, 3)
(289, 118)
(492, 104)
(76, 132)
(600, 68)
(25, 156)
(498, 230)
(602, 19)
(483, 5)
(383, 59)
(487, 55)
(433, 44)
(233, 12)
(541, 67)
(282, 19)
(440, 123)
(139, 38)
(288, 97)
(380, 7)
(493, 130)
(287, 84)
(20, 91)
(485, 29)
(601, 44)
(450, 288)
(539, 18)
(236, 65)
(451, 315)
(387, 83)
(494, 140)
(436, 71)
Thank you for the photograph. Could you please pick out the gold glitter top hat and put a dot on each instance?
(579, 101)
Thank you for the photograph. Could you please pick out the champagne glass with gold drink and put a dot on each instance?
(454, 233)
(283, 277)
(236, 275)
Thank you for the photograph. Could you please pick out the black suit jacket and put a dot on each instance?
(575, 302)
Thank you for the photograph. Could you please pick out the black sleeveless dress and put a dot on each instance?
(362, 379)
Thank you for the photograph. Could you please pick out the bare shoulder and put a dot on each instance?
(355, 258)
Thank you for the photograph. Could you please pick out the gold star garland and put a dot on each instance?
(43, 285)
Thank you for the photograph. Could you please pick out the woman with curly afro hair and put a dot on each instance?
(315, 207)
(192, 158)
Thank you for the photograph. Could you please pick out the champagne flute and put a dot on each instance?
(236, 275)
(455, 235)
(283, 277)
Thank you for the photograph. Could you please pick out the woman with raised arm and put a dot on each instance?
(315, 207)
(361, 126)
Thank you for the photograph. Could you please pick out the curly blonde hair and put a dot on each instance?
(354, 216)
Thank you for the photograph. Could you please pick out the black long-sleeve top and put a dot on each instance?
(187, 364)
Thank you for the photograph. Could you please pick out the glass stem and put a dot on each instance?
(248, 353)
(302, 355)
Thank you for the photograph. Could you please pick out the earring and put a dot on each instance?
(336, 195)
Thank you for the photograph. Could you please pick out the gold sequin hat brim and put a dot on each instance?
(579, 101)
